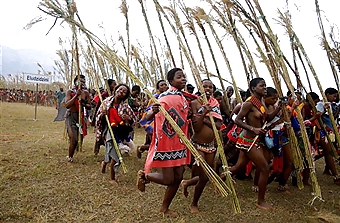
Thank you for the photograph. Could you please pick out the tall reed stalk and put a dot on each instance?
(125, 9)
(279, 59)
(96, 78)
(191, 26)
(327, 47)
(286, 21)
(202, 15)
(159, 66)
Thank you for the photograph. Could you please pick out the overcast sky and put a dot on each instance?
(15, 14)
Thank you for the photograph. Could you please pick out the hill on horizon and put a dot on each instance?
(25, 60)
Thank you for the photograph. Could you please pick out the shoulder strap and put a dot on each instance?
(258, 105)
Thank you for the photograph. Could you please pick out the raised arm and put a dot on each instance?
(197, 119)
(69, 99)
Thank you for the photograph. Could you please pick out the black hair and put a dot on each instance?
(214, 87)
(198, 93)
(331, 91)
(76, 78)
(248, 93)
(171, 73)
(110, 81)
(217, 94)
(135, 88)
(243, 94)
(128, 92)
(207, 79)
(254, 82)
(313, 95)
(158, 82)
(289, 93)
(271, 91)
(230, 87)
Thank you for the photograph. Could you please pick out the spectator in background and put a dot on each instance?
(60, 96)
(190, 88)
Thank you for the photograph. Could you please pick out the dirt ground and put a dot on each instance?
(38, 185)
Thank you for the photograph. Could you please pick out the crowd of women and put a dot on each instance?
(44, 97)
(254, 132)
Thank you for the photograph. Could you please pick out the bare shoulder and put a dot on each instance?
(194, 102)
(87, 93)
(246, 104)
(68, 92)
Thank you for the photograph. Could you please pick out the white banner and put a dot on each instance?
(38, 79)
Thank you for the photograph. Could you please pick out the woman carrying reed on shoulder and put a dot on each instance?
(167, 151)
(121, 118)
(203, 140)
(255, 115)
(322, 112)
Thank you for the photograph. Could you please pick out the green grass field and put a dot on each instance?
(38, 185)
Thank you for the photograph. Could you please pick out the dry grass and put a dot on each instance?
(37, 185)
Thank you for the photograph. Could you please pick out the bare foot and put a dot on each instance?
(141, 180)
(284, 189)
(265, 206)
(69, 159)
(113, 183)
(103, 165)
(139, 153)
(194, 209)
(168, 213)
(184, 186)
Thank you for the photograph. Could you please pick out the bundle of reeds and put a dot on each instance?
(335, 50)
(112, 57)
(187, 52)
(72, 9)
(94, 75)
(274, 67)
(203, 16)
(286, 22)
(191, 26)
(63, 64)
(278, 65)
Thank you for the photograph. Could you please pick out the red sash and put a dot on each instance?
(114, 118)
(259, 106)
(83, 122)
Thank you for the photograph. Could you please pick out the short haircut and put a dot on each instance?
(158, 82)
(331, 91)
(254, 82)
(135, 88)
(217, 94)
(314, 95)
(171, 73)
(76, 78)
(271, 91)
(110, 81)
